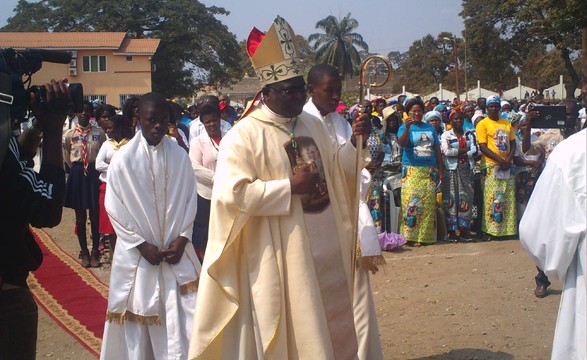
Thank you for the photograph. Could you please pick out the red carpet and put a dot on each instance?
(72, 295)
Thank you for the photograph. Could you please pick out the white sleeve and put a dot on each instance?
(101, 164)
(555, 220)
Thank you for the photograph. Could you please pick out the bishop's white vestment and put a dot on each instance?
(276, 278)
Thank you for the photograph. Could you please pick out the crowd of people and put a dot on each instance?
(231, 232)
(455, 171)
(467, 168)
(463, 170)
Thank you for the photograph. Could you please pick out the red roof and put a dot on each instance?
(138, 46)
(78, 40)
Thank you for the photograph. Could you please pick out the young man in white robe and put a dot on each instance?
(325, 88)
(151, 201)
(276, 279)
(553, 231)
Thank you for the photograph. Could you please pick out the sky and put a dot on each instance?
(388, 25)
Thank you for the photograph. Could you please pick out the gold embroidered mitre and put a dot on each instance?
(274, 55)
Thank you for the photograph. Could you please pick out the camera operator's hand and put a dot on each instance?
(50, 120)
(53, 114)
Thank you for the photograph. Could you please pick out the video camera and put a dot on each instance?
(15, 98)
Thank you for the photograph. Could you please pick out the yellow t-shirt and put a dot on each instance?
(497, 135)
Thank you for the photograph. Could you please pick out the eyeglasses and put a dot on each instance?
(290, 91)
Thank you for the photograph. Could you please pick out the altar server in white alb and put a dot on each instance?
(325, 88)
(553, 231)
(151, 200)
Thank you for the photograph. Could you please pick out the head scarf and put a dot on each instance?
(454, 111)
(493, 99)
(503, 102)
(432, 114)
(476, 116)
(440, 107)
(406, 100)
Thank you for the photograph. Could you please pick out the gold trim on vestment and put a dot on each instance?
(190, 287)
(121, 318)
(370, 263)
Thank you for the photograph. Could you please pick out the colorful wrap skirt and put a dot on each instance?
(499, 204)
(418, 220)
(457, 197)
(376, 199)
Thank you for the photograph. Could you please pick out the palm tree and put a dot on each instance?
(337, 46)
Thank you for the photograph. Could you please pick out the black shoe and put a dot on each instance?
(541, 291)
(465, 237)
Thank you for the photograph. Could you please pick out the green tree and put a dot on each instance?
(519, 29)
(307, 53)
(338, 44)
(428, 63)
(397, 59)
(196, 48)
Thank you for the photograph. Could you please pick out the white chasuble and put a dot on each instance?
(276, 278)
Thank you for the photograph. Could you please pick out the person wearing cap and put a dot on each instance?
(277, 275)
(497, 142)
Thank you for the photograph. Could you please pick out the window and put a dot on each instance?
(124, 97)
(100, 98)
(94, 63)
(128, 58)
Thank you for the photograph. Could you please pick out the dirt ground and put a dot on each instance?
(439, 302)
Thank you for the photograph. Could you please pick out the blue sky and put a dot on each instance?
(391, 25)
